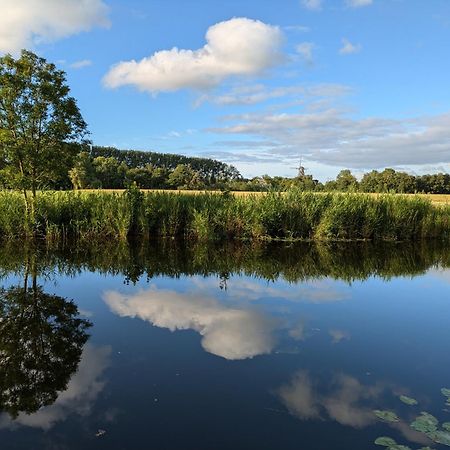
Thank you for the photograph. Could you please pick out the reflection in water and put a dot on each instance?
(345, 403)
(78, 398)
(271, 261)
(227, 332)
(339, 335)
(349, 402)
(41, 340)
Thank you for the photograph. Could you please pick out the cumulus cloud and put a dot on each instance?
(312, 5)
(358, 3)
(348, 48)
(345, 404)
(349, 402)
(227, 332)
(237, 47)
(26, 23)
(78, 398)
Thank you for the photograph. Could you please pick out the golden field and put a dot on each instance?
(437, 199)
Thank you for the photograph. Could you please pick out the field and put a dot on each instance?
(437, 199)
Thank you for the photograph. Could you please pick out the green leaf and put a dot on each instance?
(425, 423)
(387, 416)
(385, 441)
(440, 437)
(408, 400)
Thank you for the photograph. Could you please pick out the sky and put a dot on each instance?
(260, 84)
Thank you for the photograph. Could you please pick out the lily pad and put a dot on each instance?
(440, 437)
(398, 447)
(408, 400)
(385, 441)
(425, 423)
(425, 448)
(387, 416)
(446, 426)
(445, 392)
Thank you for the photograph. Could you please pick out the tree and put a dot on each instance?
(82, 174)
(41, 126)
(346, 181)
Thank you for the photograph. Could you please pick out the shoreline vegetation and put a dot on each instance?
(137, 259)
(291, 216)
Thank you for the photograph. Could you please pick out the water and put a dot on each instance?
(174, 346)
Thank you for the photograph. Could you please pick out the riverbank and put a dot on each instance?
(289, 216)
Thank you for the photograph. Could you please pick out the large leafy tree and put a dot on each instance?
(41, 126)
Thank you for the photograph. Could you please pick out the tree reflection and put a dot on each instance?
(41, 341)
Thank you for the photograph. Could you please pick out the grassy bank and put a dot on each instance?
(290, 216)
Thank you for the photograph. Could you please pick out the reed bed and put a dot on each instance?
(215, 216)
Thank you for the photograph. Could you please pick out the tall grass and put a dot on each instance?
(288, 216)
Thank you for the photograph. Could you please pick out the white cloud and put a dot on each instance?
(227, 332)
(349, 402)
(358, 3)
(78, 398)
(81, 64)
(258, 93)
(327, 134)
(237, 47)
(348, 48)
(305, 50)
(313, 5)
(25, 23)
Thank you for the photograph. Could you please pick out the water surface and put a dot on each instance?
(173, 346)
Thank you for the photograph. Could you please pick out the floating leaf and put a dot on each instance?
(425, 448)
(387, 416)
(445, 392)
(425, 423)
(398, 447)
(385, 441)
(408, 400)
(440, 437)
(446, 426)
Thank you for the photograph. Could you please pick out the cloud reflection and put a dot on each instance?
(228, 332)
(348, 402)
(78, 398)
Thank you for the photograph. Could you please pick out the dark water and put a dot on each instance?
(170, 346)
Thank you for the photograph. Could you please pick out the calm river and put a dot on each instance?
(205, 347)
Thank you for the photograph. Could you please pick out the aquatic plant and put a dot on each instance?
(425, 423)
(390, 444)
(386, 416)
(408, 400)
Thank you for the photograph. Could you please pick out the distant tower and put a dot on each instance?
(301, 169)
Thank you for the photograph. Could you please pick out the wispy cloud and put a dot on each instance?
(312, 5)
(328, 134)
(81, 64)
(305, 50)
(237, 47)
(358, 3)
(348, 48)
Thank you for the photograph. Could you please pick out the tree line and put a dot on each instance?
(44, 144)
(385, 181)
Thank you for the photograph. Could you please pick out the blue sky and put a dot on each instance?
(361, 84)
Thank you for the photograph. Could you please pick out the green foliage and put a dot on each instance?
(40, 124)
(408, 400)
(425, 423)
(294, 215)
(386, 416)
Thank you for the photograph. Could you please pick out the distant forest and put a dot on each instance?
(110, 168)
